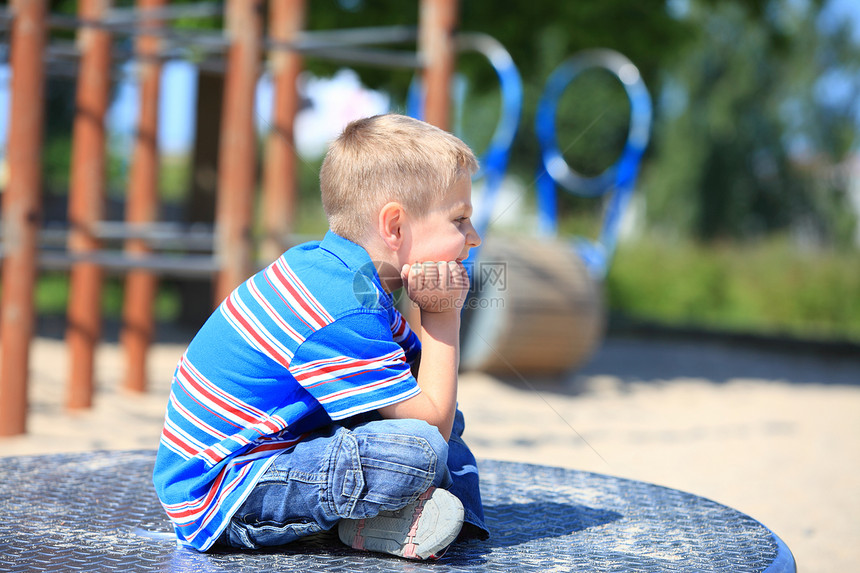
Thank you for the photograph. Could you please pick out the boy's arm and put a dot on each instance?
(437, 377)
(439, 289)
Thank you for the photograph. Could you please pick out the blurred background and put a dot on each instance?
(746, 216)
(744, 226)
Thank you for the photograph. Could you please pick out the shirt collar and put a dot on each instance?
(356, 259)
(353, 255)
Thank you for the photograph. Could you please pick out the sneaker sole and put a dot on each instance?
(421, 530)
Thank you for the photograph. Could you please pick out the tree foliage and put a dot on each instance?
(540, 35)
(754, 100)
(745, 137)
(742, 133)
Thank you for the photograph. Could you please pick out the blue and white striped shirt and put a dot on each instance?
(310, 339)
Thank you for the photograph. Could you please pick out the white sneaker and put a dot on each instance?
(421, 530)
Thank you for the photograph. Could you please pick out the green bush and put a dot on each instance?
(768, 287)
(51, 297)
(764, 288)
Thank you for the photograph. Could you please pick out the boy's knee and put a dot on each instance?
(409, 442)
(384, 465)
(416, 431)
(428, 433)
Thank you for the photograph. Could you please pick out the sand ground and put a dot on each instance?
(775, 435)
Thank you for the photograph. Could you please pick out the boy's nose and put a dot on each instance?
(473, 239)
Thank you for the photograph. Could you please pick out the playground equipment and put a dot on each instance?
(494, 159)
(91, 58)
(620, 178)
(538, 305)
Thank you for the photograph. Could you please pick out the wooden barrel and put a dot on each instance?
(534, 310)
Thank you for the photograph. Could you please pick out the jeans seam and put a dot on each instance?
(242, 533)
(401, 468)
(282, 477)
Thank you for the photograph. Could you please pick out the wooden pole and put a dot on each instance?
(138, 323)
(22, 211)
(237, 156)
(438, 20)
(286, 19)
(86, 201)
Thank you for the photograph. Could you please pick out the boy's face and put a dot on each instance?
(445, 233)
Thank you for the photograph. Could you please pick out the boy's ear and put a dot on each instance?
(392, 217)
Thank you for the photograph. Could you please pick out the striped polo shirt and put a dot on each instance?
(310, 339)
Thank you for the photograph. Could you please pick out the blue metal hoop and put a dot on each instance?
(620, 176)
(494, 160)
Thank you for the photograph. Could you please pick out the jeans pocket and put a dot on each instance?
(345, 478)
(397, 468)
(373, 471)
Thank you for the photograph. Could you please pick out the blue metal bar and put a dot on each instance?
(619, 177)
(494, 160)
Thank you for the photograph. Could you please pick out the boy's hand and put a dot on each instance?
(436, 286)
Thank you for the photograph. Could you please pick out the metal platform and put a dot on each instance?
(98, 512)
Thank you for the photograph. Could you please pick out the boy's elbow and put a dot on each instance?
(419, 408)
(442, 425)
(445, 431)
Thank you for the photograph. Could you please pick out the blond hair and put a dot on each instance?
(387, 158)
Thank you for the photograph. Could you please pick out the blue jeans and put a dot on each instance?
(351, 472)
(464, 481)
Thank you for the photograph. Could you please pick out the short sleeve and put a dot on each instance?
(353, 365)
(404, 336)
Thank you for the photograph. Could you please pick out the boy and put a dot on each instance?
(294, 408)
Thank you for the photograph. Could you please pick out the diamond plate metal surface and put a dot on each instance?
(98, 512)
